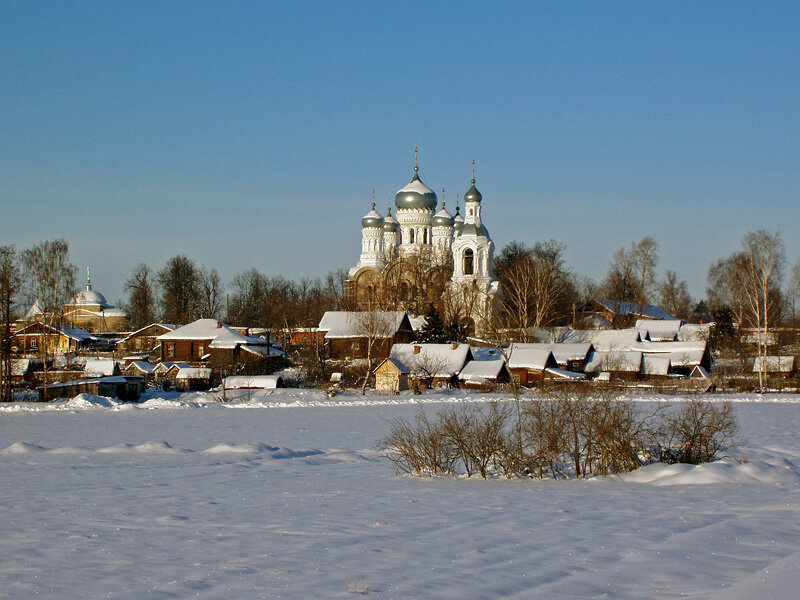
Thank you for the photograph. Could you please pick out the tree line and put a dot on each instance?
(539, 290)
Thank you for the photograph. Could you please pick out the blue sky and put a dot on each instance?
(251, 134)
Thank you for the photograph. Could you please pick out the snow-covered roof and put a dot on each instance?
(222, 336)
(347, 324)
(618, 361)
(165, 326)
(530, 356)
(416, 186)
(34, 311)
(632, 308)
(163, 367)
(89, 297)
(563, 353)
(142, 366)
(255, 382)
(485, 353)
(193, 373)
(659, 330)
(76, 333)
(699, 373)
(400, 366)
(202, 329)
(443, 358)
(261, 350)
(20, 366)
(114, 379)
(681, 354)
(604, 340)
(100, 367)
(564, 374)
(758, 337)
(482, 370)
(653, 364)
(775, 364)
(417, 322)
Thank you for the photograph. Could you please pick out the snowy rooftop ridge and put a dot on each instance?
(445, 358)
(347, 324)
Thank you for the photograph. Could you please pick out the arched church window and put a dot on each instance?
(469, 260)
(470, 212)
(405, 292)
(411, 236)
(424, 236)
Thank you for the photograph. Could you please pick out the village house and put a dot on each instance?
(478, 373)
(391, 376)
(782, 367)
(618, 364)
(212, 342)
(433, 364)
(528, 362)
(355, 334)
(30, 339)
(144, 340)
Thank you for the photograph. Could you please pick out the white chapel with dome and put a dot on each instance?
(420, 257)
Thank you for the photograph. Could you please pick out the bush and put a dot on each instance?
(574, 433)
(696, 433)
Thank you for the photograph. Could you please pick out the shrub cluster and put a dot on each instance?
(565, 435)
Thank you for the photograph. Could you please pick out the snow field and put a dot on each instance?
(284, 497)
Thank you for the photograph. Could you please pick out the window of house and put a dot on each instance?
(170, 349)
(201, 350)
(469, 260)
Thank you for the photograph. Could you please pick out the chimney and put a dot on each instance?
(416, 349)
(219, 325)
(455, 345)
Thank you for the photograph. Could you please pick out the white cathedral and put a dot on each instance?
(455, 253)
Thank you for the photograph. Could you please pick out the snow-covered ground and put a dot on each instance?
(283, 496)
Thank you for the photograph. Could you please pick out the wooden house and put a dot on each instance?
(625, 365)
(193, 378)
(529, 362)
(391, 376)
(30, 339)
(217, 344)
(478, 373)
(355, 334)
(783, 367)
(433, 364)
(144, 340)
(127, 389)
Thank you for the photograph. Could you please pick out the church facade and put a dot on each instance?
(421, 257)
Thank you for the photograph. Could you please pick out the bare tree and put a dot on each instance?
(10, 285)
(178, 281)
(631, 274)
(675, 298)
(375, 328)
(210, 293)
(50, 280)
(425, 366)
(140, 288)
(537, 286)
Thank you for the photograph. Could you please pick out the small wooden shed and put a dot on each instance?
(391, 376)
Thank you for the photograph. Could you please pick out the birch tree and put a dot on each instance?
(763, 274)
(50, 280)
